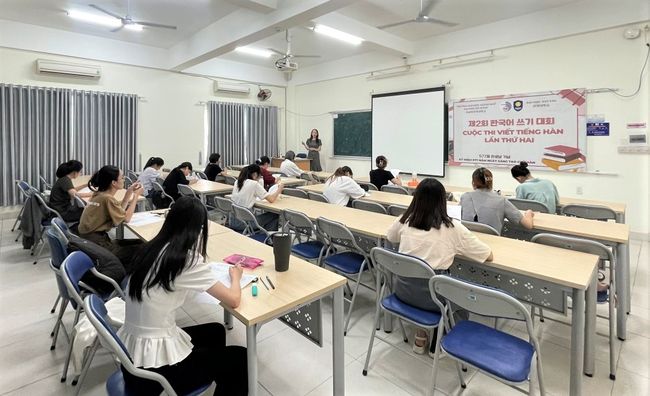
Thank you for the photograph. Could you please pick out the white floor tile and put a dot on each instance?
(635, 355)
(358, 385)
(628, 383)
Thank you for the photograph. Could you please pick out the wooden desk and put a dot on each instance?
(206, 187)
(322, 176)
(81, 181)
(149, 231)
(303, 283)
(380, 197)
(303, 163)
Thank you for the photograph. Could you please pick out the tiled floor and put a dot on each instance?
(290, 365)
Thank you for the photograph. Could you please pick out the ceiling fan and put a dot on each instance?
(285, 62)
(128, 20)
(423, 16)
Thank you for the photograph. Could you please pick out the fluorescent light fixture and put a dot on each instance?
(94, 18)
(134, 27)
(378, 75)
(337, 34)
(466, 61)
(254, 51)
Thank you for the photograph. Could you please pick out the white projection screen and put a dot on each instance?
(409, 129)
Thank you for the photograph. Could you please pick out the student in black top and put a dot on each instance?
(63, 192)
(213, 169)
(380, 176)
(178, 176)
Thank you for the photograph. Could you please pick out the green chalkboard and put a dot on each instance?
(353, 134)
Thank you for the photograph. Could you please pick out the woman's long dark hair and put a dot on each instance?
(103, 178)
(342, 171)
(246, 174)
(520, 170)
(68, 167)
(428, 207)
(154, 161)
(161, 260)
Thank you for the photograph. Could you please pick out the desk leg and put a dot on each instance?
(622, 288)
(119, 232)
(338, 365)
(227, 319)
(203, 199)
(577, 341)
(590, 329)
(251, 355)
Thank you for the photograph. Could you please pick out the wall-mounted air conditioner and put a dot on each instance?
(221, 87)
(67, 68)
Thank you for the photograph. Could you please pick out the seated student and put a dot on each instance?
(246, 191)
(178, 176)
(63, 192)
(486, 206)
(426, 231)
(340, 187)
(171, 267)
(535, 189)
(149, 174)
(212, 170)
(104, 212)
(264, 162)
(380, 176)
(288, 167)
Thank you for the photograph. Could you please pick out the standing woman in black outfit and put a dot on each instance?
(313, 146)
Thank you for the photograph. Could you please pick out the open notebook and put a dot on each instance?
(221, 271)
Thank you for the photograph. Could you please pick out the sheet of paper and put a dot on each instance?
(454, 211)
(223, 276)
(144, 218)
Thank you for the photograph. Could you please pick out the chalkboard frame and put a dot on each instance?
(334, 118)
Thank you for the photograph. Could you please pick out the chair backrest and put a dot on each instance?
(45, 184)
(395, 189)
(400, 264)
(186, 190)
(223, 204)
(307, 176)
(25, 189)
(41, 201)
(231, 180)
(336, 233)
(396, 210)
(128, 181)
(132, 175)
(160, 180)
(98, 317)
(299, 222)
(201, 175)
(477, 299)
(61, 227)
(525, 204)
(369, 206)
(578, 244)
(295, 192)
(247, 217)
(79, 202)
(314, 196)
(480, 227)
(73, 268)
(592, 212)
(369, 186)
(58, 247)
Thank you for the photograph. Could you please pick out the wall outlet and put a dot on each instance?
(579, 190)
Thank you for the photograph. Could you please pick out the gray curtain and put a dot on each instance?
(105, 129)
(262, 131)
(241, 133)
(34, 136)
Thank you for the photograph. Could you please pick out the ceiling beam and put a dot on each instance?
(244, 27)
(261, 6)
(384, 40)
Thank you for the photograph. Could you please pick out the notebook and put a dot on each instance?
(221, 270)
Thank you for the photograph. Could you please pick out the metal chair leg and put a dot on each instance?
(354, 297)
(88, 359)
(20, 214)
(372, 336)
(56, 302)
(69, 355)
(59, 323)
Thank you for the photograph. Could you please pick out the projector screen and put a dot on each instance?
(409, 129)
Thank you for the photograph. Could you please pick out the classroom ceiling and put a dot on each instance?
(209, 29)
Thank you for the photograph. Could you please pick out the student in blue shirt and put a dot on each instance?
(535, 189)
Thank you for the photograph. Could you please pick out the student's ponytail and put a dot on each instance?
(520, 170)
(104, 178)
(381, 162)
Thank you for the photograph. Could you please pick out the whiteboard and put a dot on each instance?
(409, 129)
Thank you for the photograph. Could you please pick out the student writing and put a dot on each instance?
(63, 191)
(535, 189)
(340, 187)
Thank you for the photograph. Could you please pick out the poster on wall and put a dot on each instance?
(545, 129)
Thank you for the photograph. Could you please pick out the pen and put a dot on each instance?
(270, 283)
(262, 280)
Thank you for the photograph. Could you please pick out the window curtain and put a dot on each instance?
(105, 130)
(241, 133)
(34, 136)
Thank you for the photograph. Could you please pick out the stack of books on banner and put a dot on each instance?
(564, 158)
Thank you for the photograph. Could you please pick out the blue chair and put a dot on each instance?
(389, 263)
(309, 247)
(344, 255)
(49, 215)
(500, 355)
(115, 386)
(252, 228)
(58, 248)
(73, 268)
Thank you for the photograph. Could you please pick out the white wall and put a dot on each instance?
(170, 123)
(592, 60)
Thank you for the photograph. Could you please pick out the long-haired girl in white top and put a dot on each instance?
(340, 187)
(169, 268)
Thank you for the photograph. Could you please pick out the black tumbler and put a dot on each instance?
(281, 251)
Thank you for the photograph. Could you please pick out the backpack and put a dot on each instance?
(105, 262)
